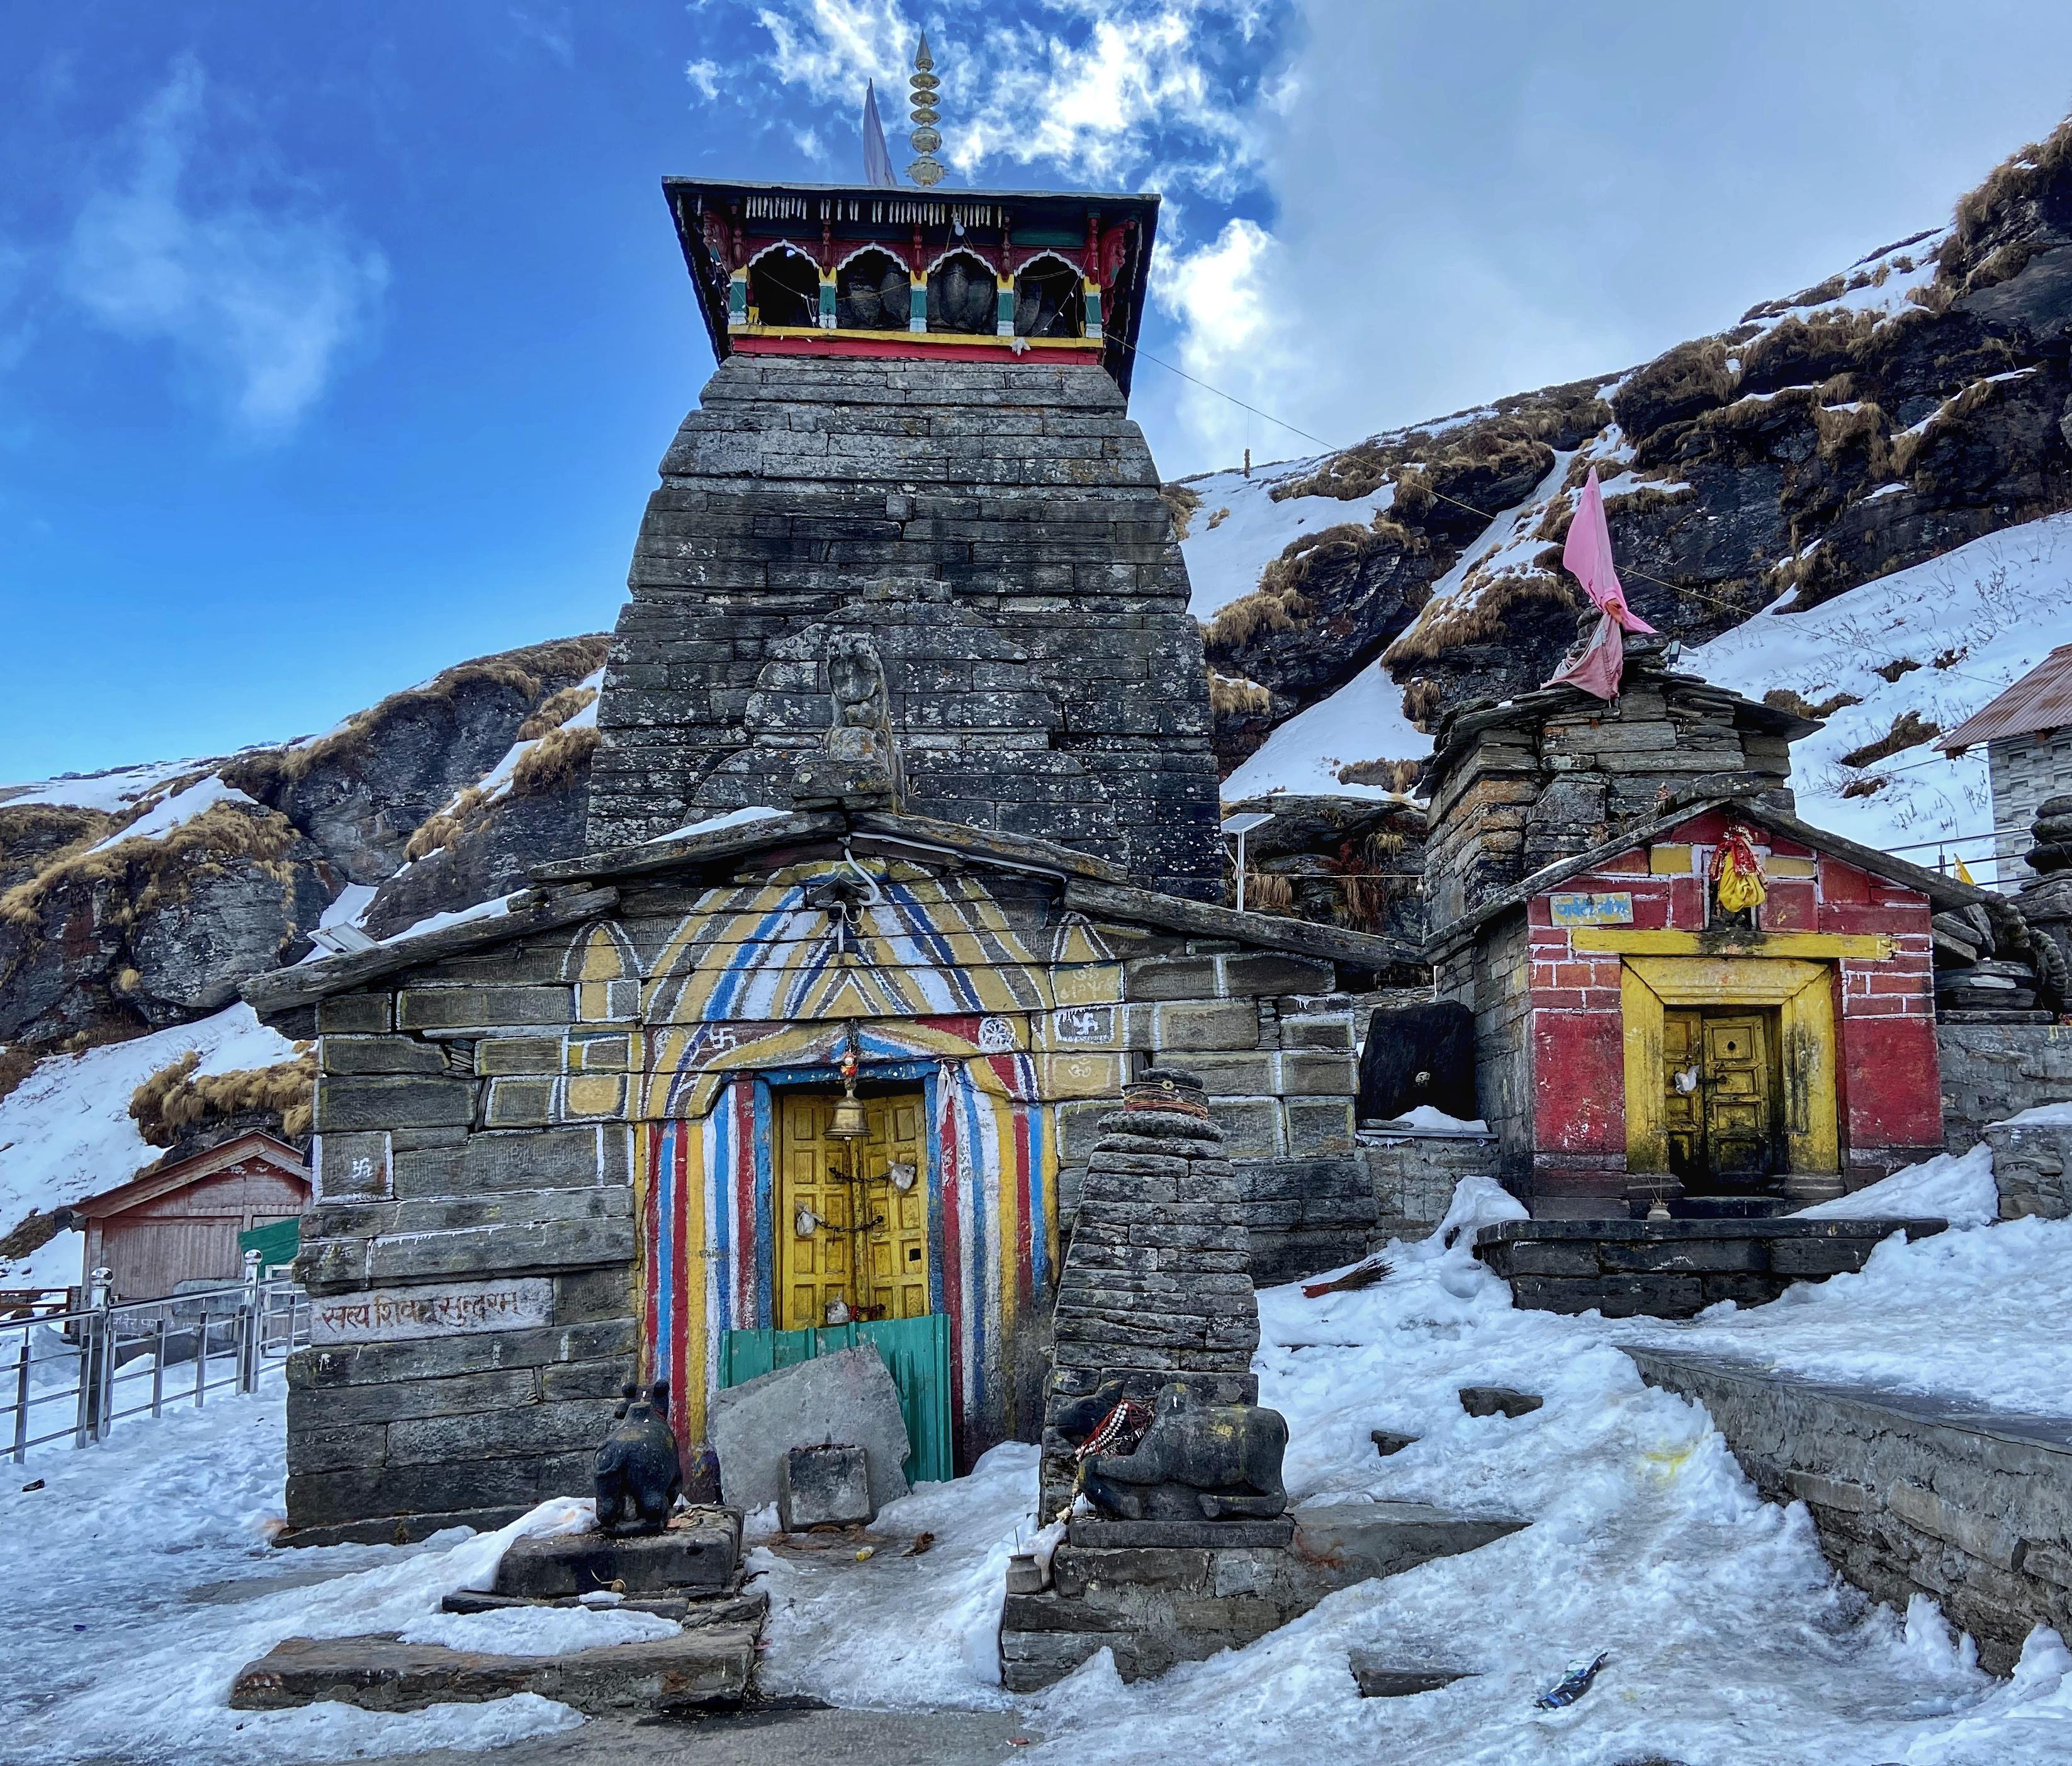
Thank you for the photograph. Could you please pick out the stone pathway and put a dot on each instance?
(782, 1734)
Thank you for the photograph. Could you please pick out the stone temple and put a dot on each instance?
(905, 860)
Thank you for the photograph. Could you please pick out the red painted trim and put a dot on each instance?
(921, 345)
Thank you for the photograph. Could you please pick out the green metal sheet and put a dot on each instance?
(275, 1242)
(915, 1351)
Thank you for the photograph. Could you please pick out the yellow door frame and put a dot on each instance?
(1802, 992)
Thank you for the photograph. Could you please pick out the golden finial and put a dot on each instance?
(926, 170)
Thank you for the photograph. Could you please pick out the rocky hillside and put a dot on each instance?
(139, 899)
(1851, 493)
(1909, 404)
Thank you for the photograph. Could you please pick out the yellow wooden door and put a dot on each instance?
(863, 1204)
(1739, 1097)
(1683, 1078)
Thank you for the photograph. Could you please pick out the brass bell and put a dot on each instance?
(848, 1122)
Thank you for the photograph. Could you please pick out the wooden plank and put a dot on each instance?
(1796, 947)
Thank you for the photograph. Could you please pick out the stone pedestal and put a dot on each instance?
(697, 1553)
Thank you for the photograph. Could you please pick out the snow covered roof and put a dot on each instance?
(2040, 700)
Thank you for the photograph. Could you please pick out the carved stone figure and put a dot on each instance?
(859, 765)
(639, 1473)
(1197, 1461)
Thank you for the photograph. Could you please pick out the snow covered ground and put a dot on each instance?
(65, 1131)
(1972, 621)
(1730, 1642)
(1225, 555)
(139, 1582)
(1363, 720)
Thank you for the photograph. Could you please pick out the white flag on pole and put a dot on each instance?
(876, 162)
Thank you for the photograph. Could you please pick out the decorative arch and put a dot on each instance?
(784, 286)
(873, 291)
(602, 961)
(1050, 298)
(963, 293)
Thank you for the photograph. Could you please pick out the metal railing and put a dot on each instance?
(75, 1375)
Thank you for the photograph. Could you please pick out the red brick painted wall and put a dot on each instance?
(1890, 1085)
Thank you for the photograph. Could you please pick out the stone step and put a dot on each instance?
(709, 1666)
(1156, 1605)
(749, 1606)
(697, 1554)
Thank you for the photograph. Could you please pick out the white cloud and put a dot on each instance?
(1109, 92)
(704, 76)
(258, 302)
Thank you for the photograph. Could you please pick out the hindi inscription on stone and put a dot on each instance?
(442, 1309)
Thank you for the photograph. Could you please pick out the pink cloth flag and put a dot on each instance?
(1588, 558)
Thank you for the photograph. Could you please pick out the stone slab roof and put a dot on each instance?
(1943, 892)
(571, 890)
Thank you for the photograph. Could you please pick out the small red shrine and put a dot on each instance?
(1716, 1004)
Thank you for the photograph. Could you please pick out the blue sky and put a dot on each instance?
(337, 344)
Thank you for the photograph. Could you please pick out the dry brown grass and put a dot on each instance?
(2019, 180)
(30, 1233)
(556, 712)
(1181, 503)
(1263, 610)
(1807, 347)
(1217, 520)
(520, 671)
(1422, 698)
(1232, 696)
(1679, 383)
(1484, 617)
(47, 829)
(555, 762)
(1909, 729)
(1862, 425)
(1866, 787)
(155, 867)
(18, 1061)
(174, 1099)
(1784, 699)
(1267, 893)
(1898, 666)
(1392, 775)
(1359, 471)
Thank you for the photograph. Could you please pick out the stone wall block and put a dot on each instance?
(501, 1249)
(361, 1013)
(346, 1103)
(1253, 972)
(1170, 978)
(481, 1007)
(379, 1054)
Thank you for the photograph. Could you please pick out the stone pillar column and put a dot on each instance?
(1157, 1284)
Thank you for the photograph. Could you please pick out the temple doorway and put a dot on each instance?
(1721, 1096)
(851, 1216)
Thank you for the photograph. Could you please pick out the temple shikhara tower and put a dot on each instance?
(903, 859)
(917, 442)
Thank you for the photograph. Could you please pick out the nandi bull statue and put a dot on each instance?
(639, 1470)
(1197, 1461)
